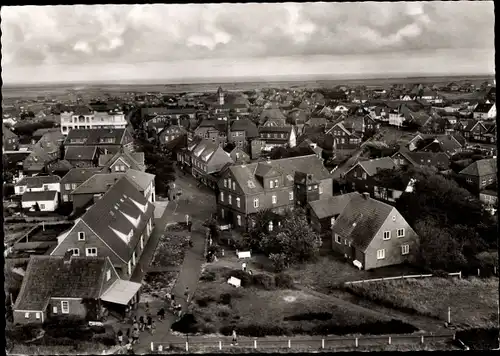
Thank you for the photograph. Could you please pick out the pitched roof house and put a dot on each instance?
(322, 213)
(117, 225)
(373, 234)
(73, 179)
(10, 141)
(122, 161)
(55, 287)
(107, 140)
(37, 184)
(480, 174)
(45, 151)
(274, 136)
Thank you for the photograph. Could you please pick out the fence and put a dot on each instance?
(197, 344)
(459, 274)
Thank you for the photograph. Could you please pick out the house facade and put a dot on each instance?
(107, 141)
(276, 136)
(73, 179)
(244, 190)
(86, 118)
(343, 138)
(480, 174)
(42, 200)
(361, 176)
(373, 234)
(37, 184)
(485, 112)
(10, 141)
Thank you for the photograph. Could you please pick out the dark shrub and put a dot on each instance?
(283, 280)
(376, 328)
(440, 273)
(187, 324)
(263, 281)
(225, 298)
(309, 316)
(246, 279)
(259, 330)
(208, 276)
(479, 339)
(22, 333)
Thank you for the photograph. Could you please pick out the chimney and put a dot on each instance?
(67, 257)
(366, 195)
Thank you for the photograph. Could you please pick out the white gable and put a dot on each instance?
(125, 238)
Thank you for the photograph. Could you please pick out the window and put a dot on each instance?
(337, 239)
(380, 254)
(238, 220)
(221, 196)
(37, 315)
(229, 182)
(238, 201)
(405, 249)
(75, 251)
(65, 197)
(290, 195)
(387, 235)
(256, 202)
(276, 183)
(309, 187)
(108, 275)
(91, 251)
(117, 168)
(54, 310)
(332, 221)
(275, 199)
(81, 236)
(229, 199)
(401, 232)
(364, 175)
(394, 218)
(234, 186)
(315, 186)
(73, 186)
(64, 307)
(222, 213)
(320, 189)
(42, 206)
(27, 315)
(355, 174)
(270, 226)
(225, 183)
(271, 184)
(67, 186)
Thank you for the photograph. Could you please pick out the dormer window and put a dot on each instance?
(271, 184)
(276, 183)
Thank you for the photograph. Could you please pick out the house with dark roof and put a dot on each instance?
(73, 179)
(480, 174)
(61, 287)
(322, 213)
(485, 111)
(241, 132)
(239, 156)
(47, 150)
(489, 197)
(307, 143)
(275, 136)
(440, 160)
(37, 184)
(443, 143)
(170, 133)
(344, 138)
(372, 234)
(107, 140)
(83, 156)
(213, 130)
(59, 168)
(10, 141)
(47, 200)
(279, 184)
(122, 161)
(361, 176)
(117, 225)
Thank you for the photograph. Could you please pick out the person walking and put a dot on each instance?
(244, 267)
(128, 336)
(153, 327)
(147, 308)
(135, 336)
(235, 339)
(120, 337)
(186, 294)
(141, 323)
(149, 322)
(161, 314)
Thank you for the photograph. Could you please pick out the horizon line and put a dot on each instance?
(250, 79)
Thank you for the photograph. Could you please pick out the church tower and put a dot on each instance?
(221, 96)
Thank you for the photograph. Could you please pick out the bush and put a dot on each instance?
(208, 276)
(263, 281)
(260, 330)
(309, 316)
(186, 324)
(246, 279)
(22, 333)
(225, 298)
(283, 280)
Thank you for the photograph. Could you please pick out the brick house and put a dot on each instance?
(440, 160)
(69, 287)
(343, 138)
(360, 176)
(322, 213)
(122, 161)
(73, 179)
(480, 174)
(242, 132)
(212, 130)
(373, 233)
(275, 136)
(117, 225)
(46, 151)
(245, 189)
(170, 133)
(10, 141)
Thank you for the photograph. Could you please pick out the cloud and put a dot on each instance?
(133, 34)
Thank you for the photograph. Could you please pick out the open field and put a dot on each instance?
(281, 309)
(473, 301)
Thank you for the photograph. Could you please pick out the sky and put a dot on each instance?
(182, 42)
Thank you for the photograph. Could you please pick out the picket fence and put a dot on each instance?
(459, 274)
(312, 343)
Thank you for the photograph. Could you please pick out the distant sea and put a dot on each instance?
(229, 84)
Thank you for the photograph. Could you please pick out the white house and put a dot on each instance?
(341, 108)
(38, 184)
(85, 118)
(46, 200)
(485, 112)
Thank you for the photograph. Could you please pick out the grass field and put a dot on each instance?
(261, 308)
(473, 301)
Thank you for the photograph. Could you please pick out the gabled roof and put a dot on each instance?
(79, 175)
(277, 129)
(446, 143)
(110, 217)
(93, 137)
(481, 168)
(265, 169)
(38, 181)
(43, 195)
(7, 133)
(134, 160)
(41, 132)
(361, 220)
(219, 125)
(140, 178)
(245, 174)
(271, 113)
(245, 125)
(317, 121)
(332, 206)
(483, 108)
(98, 183)
(373, 165)
(48, 276)
(86, 153)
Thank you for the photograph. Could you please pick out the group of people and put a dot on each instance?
(131, 337)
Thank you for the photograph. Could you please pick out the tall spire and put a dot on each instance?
(220, 92)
